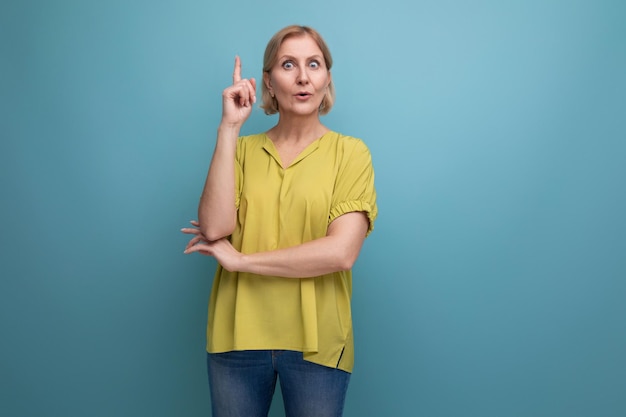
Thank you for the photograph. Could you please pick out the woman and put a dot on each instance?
(285, 214)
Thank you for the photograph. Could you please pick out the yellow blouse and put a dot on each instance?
(282, 207)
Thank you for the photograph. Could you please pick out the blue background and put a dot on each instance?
(493, 285)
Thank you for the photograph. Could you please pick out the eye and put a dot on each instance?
(288, 65)
(314, 64)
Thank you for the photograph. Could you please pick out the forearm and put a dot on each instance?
(337, 251)
(314, 258)
(216, 211)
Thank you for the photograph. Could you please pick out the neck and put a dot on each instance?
(297, 129)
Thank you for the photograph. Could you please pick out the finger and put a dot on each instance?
(246, 94)
(237, 93)
(237, 71)
(205, 249)
(195, 223)
(195, 241)
(253, 83)
(190, 231)
(241, 93)
(248, 91)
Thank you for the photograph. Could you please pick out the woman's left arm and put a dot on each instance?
(337, 251)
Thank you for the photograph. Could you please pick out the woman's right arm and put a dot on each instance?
(217, 211)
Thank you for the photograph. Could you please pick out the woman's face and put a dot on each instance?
(299, 78)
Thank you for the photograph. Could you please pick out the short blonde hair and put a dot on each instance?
(269, 103)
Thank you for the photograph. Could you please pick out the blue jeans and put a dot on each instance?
(242, 384)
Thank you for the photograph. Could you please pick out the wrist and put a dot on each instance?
(229, 128)
(244, 264)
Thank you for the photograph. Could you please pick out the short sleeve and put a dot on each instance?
(238, 183)
(238, 173)
(354, 185)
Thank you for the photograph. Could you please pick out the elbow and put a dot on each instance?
(346, 260)
(214, 226)
(216, 233)
(211, 237)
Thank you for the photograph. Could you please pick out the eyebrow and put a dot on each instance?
(292, 57)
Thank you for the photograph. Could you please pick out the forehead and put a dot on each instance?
(299, 46)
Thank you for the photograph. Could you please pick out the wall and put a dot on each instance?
(493, 284)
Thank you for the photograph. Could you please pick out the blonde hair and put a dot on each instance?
(269, 103)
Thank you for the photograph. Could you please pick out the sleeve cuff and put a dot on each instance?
(355, 205)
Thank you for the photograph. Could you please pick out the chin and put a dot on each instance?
(305, 111)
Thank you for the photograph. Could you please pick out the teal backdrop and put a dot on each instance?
(494, 284)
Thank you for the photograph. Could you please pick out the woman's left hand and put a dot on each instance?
(220, 249)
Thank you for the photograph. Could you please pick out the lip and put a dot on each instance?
(303, 95)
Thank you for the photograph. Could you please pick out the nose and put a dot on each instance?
(303, 77)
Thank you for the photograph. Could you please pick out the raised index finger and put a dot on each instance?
(237, 72)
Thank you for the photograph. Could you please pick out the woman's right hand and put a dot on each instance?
(238, 99)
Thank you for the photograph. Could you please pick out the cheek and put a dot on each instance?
(279, 84)
(324, 83)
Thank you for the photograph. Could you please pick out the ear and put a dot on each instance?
(330, 78)
(267, 81)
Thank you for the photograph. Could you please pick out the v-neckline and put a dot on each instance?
(270, 147)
